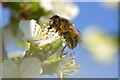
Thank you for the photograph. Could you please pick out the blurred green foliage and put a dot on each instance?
(22, 11)
(26, 10)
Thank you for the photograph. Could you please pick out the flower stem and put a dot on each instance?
(60, 75)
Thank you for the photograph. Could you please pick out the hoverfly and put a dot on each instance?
(66, 29)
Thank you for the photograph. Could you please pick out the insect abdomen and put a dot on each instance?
(71, 39)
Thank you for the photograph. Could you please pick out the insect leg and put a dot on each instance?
(56, 30)
(50, 27)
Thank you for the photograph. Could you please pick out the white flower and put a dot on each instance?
(37, 34)
(66, 9)
(29, 68)
(64, 67)
(50, 55)
(45, 42)
(67, 67)
(103, 47)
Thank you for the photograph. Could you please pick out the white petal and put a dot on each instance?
(37, 29)
(28, 28)
(30, 68)
(9, 69)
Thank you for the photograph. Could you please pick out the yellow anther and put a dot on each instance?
(42, 34)
(71, 63)
(76, 66)
(44, 25)
(46, 33)
(47, 37)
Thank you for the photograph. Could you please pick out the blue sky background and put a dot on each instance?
(91, 13)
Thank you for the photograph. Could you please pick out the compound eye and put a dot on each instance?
(57, 22)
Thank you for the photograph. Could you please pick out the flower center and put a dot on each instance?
(44, 33)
